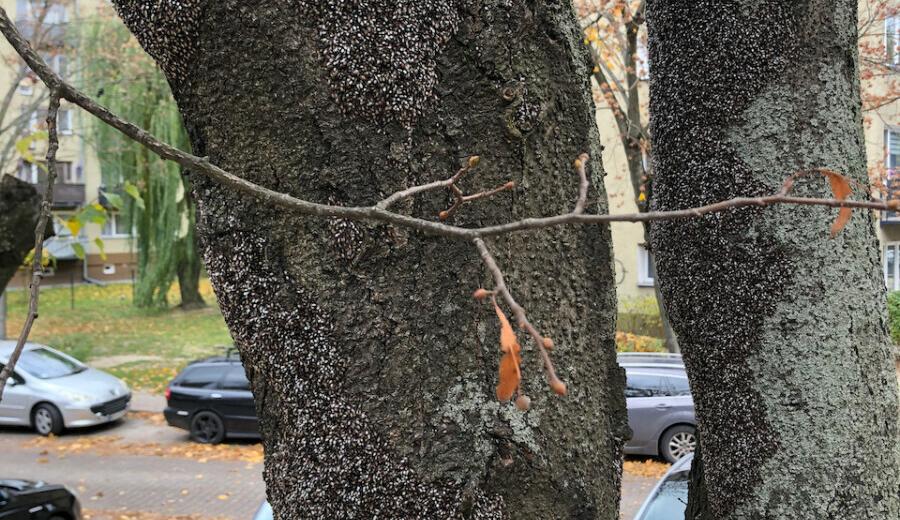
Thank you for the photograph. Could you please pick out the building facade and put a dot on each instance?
(109, 249)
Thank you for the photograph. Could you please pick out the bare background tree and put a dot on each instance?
(782, 327)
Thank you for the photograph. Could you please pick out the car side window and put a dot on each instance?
(201, 377)
(236, 379)
(679, 385)
(13, 377)
(642, 385)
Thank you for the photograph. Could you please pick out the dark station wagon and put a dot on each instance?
(211, 399)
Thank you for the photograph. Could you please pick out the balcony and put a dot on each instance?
(65, 196)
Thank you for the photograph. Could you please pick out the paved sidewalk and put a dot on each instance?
(146, 402)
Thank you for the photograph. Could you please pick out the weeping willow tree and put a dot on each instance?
(163, 216)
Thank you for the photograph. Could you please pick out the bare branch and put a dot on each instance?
(540, 342)
(37, 268)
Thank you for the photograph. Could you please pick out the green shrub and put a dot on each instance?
(640, 316)
(893, 302)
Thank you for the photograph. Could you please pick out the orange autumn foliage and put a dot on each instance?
(840, 187)
(510, 376)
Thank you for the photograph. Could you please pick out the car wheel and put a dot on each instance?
(207, 428)
(47, 420)
(677, 442)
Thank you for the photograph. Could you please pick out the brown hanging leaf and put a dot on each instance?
(840, 187)
(508, 339)
(509, 373)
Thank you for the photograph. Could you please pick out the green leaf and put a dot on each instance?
(114, 200)
(92, 213)
(135, 194)
(79, 250)
(23, 145)
(99, 244)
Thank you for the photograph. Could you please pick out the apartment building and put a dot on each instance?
(54, 30)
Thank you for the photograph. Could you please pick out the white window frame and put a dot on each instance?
(892, 29)
(71, 175)
(66, 120)
(31, 172)
(112, 219)
(884, 264)
(26, 86)
(643, 261)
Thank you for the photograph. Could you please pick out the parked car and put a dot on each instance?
(24, 499)
(668, 499)
(660, 412)
(264, 512)
(211, 399)
(650, 360)
(50, 391)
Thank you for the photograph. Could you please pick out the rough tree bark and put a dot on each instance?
(20, 204)
(372, 366)
(782, 327)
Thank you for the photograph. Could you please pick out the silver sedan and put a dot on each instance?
(50, 391)
(660, 411)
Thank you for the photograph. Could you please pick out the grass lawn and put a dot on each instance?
(144, 346)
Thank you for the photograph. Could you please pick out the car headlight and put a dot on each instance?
(75, 397)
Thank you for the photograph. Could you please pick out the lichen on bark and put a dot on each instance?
(781, 326)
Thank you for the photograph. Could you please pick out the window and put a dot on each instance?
(53, 14)
(642, 60)
(892, 40)
(47, 364)
(646, 270)
(27, 172)
(26, 86)
(891, 266)
(201, 377)
(645, 385)
(236, 379)
(678, 385)
(115, 225)
(892, 169)
(64, 123)
(67, 174)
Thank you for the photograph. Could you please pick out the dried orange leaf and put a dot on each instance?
(510, 377)
(508, 341)
(840, 187)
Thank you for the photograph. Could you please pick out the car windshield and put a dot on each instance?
(671, 500)
(46, 364)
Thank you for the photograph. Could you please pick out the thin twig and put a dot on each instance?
(519, 313)
(37, 266)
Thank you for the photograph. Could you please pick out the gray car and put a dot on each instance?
(50, 391)
(669, 497)
(660, 411)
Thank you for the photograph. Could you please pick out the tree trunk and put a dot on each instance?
(782, 327)
(373, 367)
(20, 205)
(3, 313)
(188, 260)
